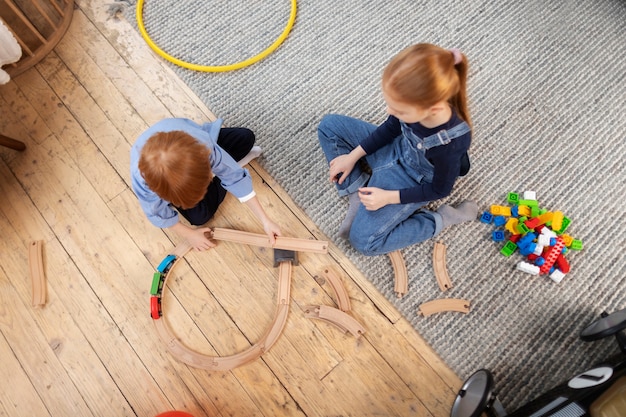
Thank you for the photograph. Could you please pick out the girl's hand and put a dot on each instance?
(340, 168)
(374, 198)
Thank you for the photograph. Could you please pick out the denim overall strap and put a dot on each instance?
(443, 137)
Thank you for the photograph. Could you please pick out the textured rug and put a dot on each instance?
(548, 97)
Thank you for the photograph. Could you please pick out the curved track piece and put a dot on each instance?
(288, 243)
(181, 249)
(439, 265)
(224, 363)
(37, 274)
(401, 282)
(343, 299)
(444, 304)
(343, 321)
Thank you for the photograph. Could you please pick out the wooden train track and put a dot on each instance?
(342, 297)
(37, 274)
(439, 265)
(401, 276)
(224, 363)
(287, 243)
(444, 304)
(332, 315)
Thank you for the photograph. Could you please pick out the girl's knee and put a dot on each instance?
(327, 124)
(361, 243)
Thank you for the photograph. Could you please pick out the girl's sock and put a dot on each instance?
(353, 206)
(466, 211)
(254, 153)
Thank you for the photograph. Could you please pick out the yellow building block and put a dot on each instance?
(523, 211)
(545, 217)
(557, 221)
(567, 239)
(500, 210)
(511, 225)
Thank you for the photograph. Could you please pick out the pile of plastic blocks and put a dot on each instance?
(538, 234)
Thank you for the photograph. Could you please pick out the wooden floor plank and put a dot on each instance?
(193, 299)
(78, 358)
(40, 178)
(51, 381)
(18, 396)
(79, 110)
(149, 68)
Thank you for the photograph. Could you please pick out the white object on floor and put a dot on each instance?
(10, 51)
(254, 153)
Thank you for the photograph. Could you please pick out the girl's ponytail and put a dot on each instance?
(459, 100)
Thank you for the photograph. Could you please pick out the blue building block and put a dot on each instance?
(498, 235)
(486, 217)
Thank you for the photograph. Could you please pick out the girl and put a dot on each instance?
(179, 164)
(414, 157)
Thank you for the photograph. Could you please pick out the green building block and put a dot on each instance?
(529, 203)
(534, 211)
(508, 248)
(564, 225)
(522, 228)
(512, 198)
(577, 244)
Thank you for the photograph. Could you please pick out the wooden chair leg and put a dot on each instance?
(12, 143)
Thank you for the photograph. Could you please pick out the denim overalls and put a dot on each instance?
(399, 165)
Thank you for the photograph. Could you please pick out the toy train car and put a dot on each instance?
(157, 284)
(155, 307)
(166, 264)
(156, 289)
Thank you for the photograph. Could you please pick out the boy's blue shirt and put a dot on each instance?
(234, 179)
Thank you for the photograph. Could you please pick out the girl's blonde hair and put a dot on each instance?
(426, 74)
(176, 167)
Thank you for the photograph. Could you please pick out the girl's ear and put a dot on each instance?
(438, 107)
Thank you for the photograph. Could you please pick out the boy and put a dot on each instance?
(179, 164)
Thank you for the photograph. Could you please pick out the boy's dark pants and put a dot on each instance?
(237, 142)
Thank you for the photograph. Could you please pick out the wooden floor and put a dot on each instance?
(93, 350)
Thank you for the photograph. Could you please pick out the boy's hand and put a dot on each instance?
(195, 237)
(198, 239)
(272, 230)
(374, 198)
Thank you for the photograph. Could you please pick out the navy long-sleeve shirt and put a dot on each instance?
(446, 159)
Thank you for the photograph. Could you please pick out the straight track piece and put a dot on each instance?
(255, 239)
(37, 274)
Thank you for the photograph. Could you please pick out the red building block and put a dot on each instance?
(532, 223)
(551, 255)
(562, 264)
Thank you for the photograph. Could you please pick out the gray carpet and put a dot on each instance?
(548, 98)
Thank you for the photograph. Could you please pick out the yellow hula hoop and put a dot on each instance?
(215, 68)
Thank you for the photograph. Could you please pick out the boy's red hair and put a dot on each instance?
(176, 167)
